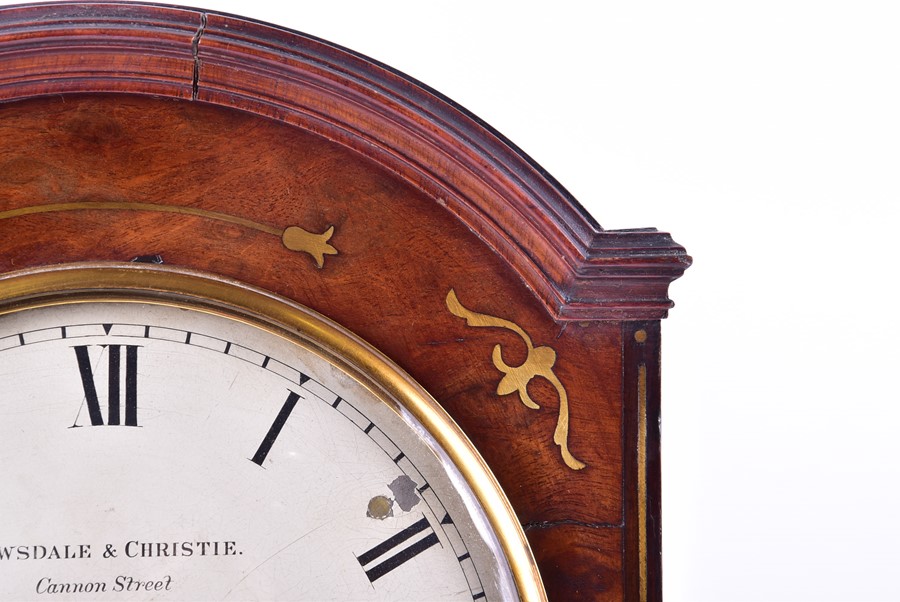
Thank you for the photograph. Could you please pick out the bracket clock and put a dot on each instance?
(278, 322)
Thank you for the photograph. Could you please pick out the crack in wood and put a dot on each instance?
(195, 52)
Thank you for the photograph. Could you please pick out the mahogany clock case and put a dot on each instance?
(214, 143)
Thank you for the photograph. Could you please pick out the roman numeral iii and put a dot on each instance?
(114, 389)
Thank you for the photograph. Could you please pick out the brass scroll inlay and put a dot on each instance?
(539, 362)
(293, 238)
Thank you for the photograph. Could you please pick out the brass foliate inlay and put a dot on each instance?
(539, 362)
(298, 239)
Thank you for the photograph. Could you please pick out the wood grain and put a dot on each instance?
(580, 563)
(399, 255)
(578, 270)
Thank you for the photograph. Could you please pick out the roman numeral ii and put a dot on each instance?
(114, 391)
(394, 552)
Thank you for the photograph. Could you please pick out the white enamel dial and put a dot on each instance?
(156, 451)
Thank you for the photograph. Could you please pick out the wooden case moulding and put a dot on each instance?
(209, 142)
(578, 270)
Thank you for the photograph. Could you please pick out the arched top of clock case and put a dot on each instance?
(577, 269)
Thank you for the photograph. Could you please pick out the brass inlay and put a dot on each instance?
(539, 362)
(294, 238)
(642, 476)
(640, 336)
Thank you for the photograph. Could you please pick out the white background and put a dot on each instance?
(765, 136)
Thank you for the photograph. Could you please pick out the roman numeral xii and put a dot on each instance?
(114, 388)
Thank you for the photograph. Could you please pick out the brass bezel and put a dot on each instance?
(165, 285)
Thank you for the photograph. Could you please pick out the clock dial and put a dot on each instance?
(164, 450)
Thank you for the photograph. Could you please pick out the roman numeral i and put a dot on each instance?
(114, 391)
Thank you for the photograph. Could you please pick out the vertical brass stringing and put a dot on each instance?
(293, 238)
(642, 479)
(539, 362)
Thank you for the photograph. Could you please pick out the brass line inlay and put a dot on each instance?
(642, 478)
(293, 238)
(539, 362)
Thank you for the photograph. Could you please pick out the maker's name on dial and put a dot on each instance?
(130, 549)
